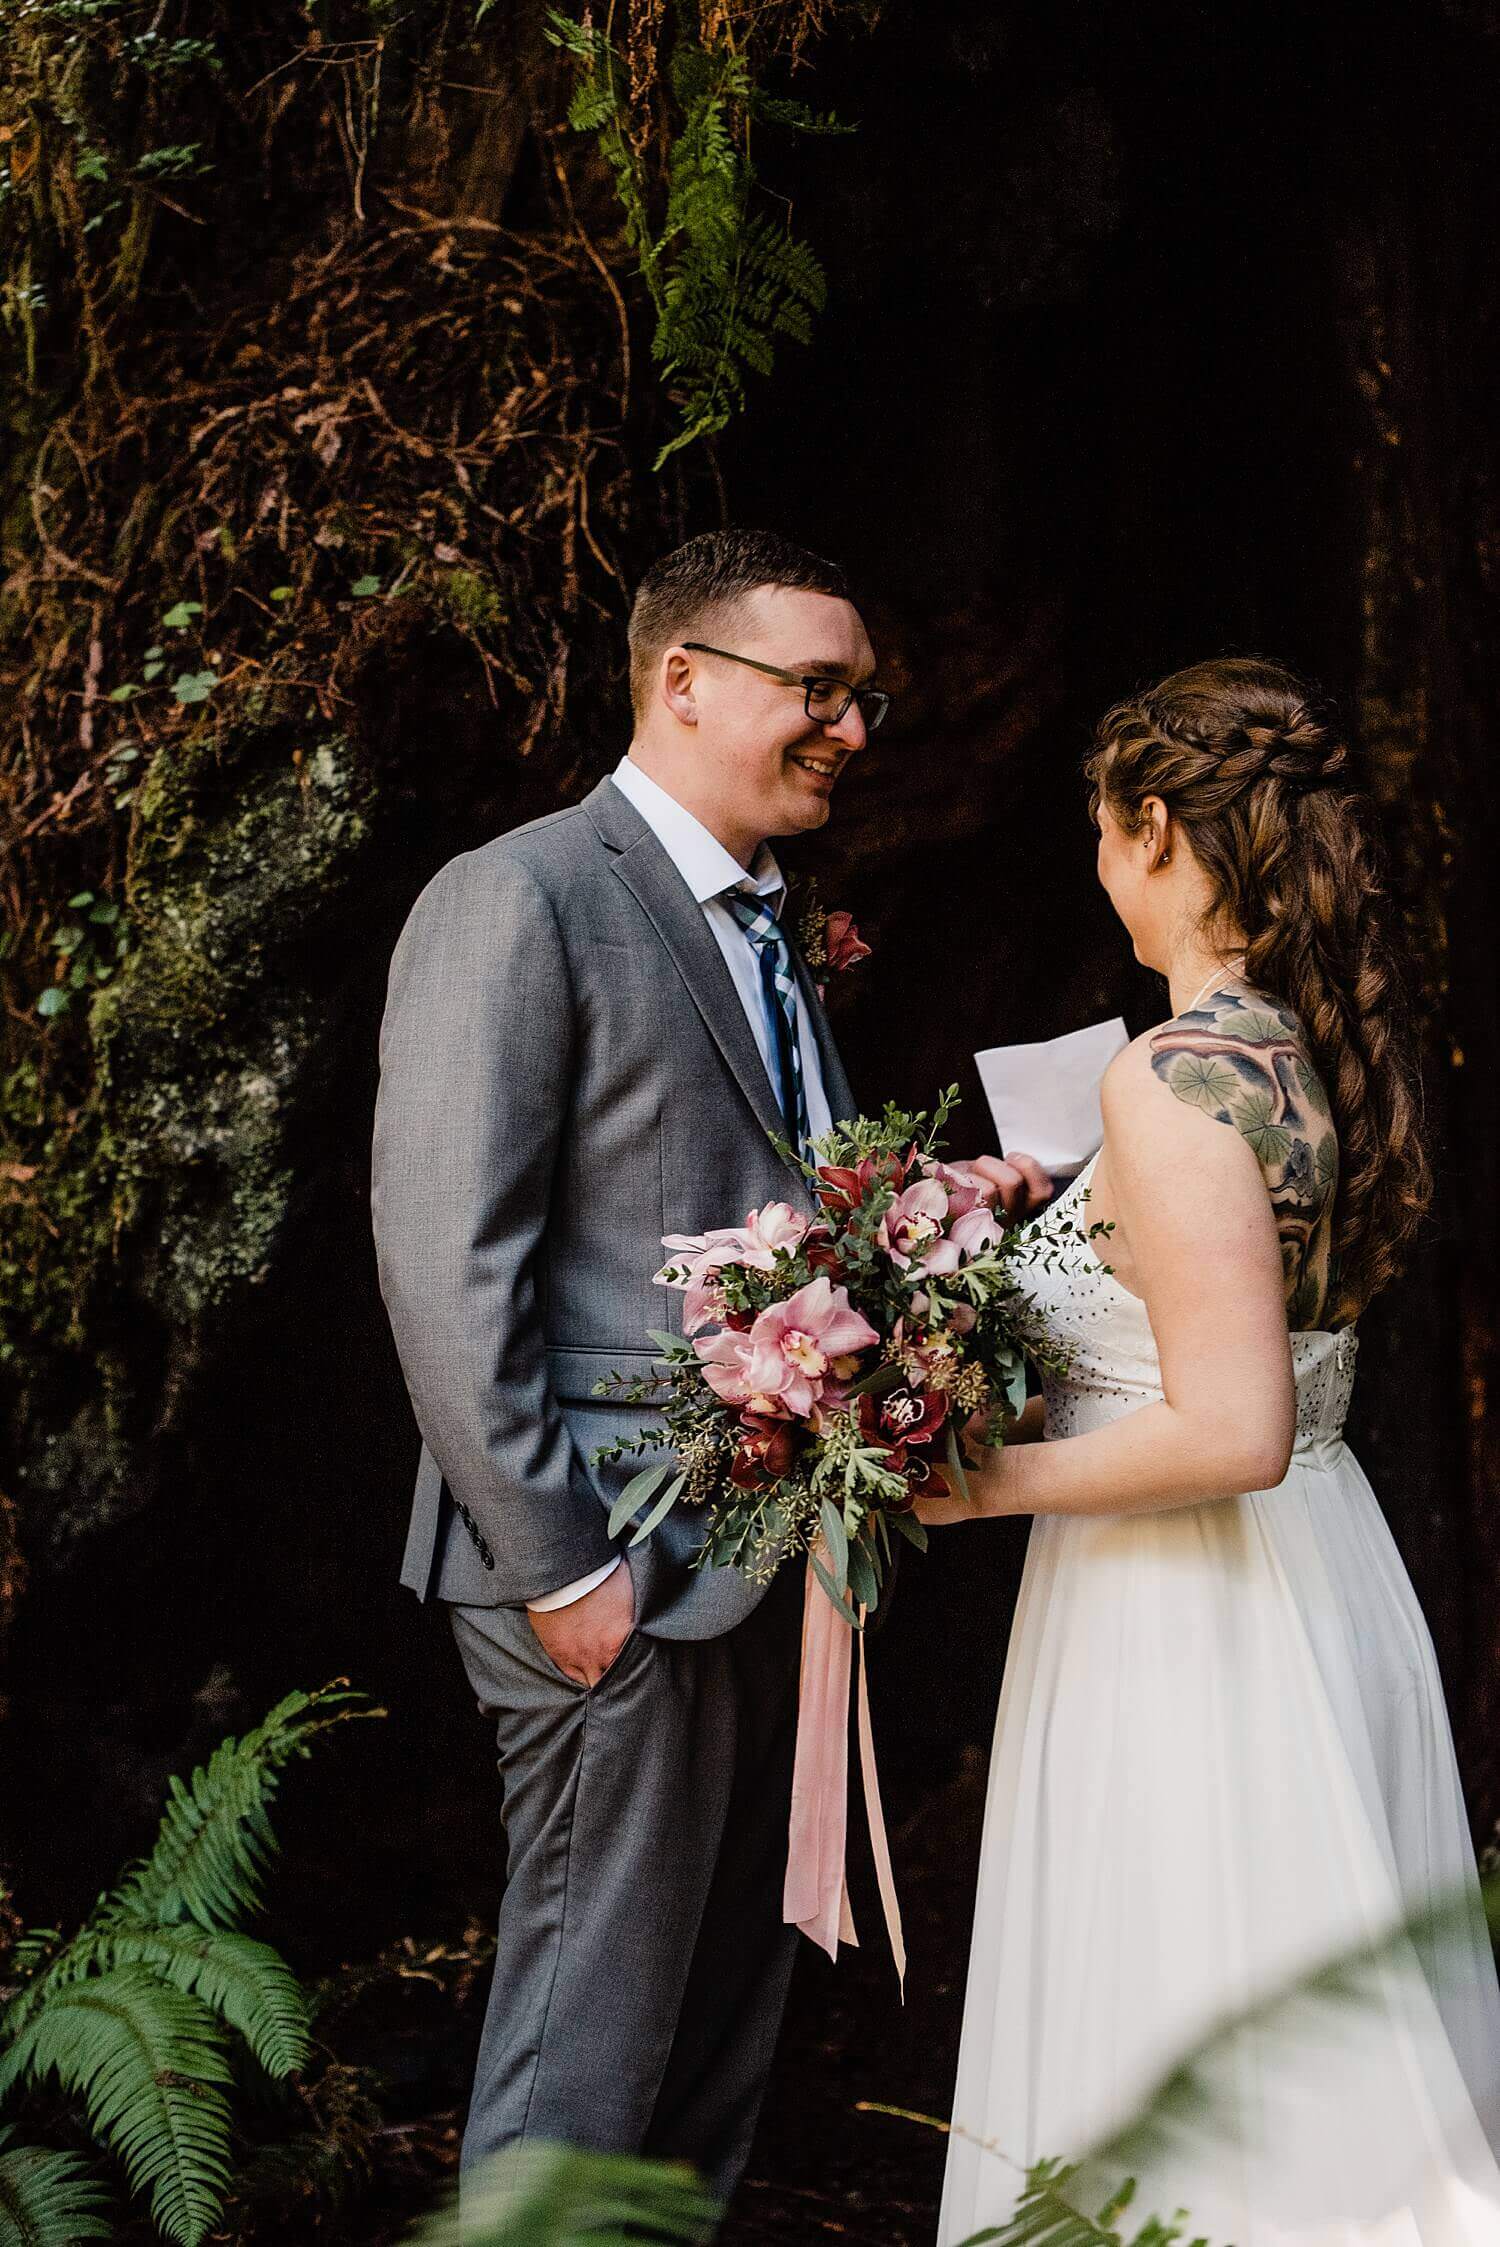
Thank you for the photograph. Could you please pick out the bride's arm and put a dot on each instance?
(1193, 1206)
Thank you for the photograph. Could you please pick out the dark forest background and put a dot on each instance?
(1150, 334)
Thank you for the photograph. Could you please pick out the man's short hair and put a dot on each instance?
(689, 590)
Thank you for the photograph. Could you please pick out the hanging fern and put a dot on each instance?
(133, 2015)
(47, 2199)
(725, 279)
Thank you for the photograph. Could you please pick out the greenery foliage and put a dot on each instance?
(725, 278)
(543, 2195)
(137, 2018)
(302, 398)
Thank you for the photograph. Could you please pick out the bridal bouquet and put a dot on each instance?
(828, 1365)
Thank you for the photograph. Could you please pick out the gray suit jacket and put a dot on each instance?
(567, 1074)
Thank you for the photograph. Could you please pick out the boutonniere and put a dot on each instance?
(828, 940)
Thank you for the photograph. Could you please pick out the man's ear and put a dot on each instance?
(675, 683)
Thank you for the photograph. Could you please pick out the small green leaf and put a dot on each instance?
(283, 592)
(123, 694)
(105, 913)
(364, 588)
(908, 1526)
(81, 897)
(956, 1462)
(54, 1000)
(181, 614)
(660, 1510)
(841, 1607)
(153, 653)
(837, 1540)
(637, 1492)
(864, 1580)
(150, 672)
(194, 686)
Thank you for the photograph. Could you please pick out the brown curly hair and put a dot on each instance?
(1256, 770)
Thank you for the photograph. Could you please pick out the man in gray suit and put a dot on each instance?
(595, 1024)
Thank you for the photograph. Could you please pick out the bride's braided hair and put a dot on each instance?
(1258, 774)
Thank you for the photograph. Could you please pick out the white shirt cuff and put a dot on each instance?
(550, 1601)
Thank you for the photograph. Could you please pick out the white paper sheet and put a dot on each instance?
(1045, 1098)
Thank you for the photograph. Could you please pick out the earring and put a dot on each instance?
(1165, 858)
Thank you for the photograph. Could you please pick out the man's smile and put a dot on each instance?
(825, 768)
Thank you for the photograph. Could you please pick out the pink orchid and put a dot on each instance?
(966, 1188)
(753, 1245)
(977, 1230)
(726, 1366)
(911, 1231)
(794, 1348)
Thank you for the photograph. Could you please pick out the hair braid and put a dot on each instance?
(1258, 774)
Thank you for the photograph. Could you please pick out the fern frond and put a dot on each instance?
(774, 109)
(541, 2195)
(215, 1842)
(47, 2199)
(246, 1983)
(147, 2061)
(726, 282)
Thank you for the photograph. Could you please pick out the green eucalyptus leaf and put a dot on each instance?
(837, 1538)
(841, 1606)
(956, 1463)
(637, 1492)
(660, 1510)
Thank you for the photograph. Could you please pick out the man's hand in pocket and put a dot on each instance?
(584, 1639)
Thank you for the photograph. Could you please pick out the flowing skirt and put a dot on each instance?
(1221, 1757)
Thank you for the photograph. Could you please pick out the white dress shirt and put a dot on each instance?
(708, 869)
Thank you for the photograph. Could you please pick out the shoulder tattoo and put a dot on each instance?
(1243, 1060)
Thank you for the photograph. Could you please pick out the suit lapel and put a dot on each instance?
(664, 897)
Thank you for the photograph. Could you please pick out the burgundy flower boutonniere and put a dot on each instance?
(829, 941)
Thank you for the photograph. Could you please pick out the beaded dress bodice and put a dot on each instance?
(1113, 1367)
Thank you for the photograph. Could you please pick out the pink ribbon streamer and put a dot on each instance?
(816, 1896)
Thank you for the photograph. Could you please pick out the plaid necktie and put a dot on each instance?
(778, 991)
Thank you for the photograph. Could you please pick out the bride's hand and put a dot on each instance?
(990, 1473)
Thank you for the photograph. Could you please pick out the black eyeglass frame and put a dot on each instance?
(874, 702)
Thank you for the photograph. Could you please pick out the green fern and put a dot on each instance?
(247, 1984)
(725, 280)
(47, 2199)
(216, 1843)
(541, 2195)
(1046, 2217)
(131, 2016)
(147, 2061)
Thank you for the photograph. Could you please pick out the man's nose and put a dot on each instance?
(850, 729)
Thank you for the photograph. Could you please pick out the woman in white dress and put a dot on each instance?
(1222, 1753)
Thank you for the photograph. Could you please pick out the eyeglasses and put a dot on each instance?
(824, 700)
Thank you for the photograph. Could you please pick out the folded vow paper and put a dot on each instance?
(1045, 1098)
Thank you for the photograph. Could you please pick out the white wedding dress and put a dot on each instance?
(1222, 1756)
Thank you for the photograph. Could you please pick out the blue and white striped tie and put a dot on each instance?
(778, 990)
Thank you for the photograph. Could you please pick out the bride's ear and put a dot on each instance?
(1154, 835)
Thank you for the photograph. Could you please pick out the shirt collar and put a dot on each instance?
(699, 857)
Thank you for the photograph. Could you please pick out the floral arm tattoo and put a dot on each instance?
(1243, 1061)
